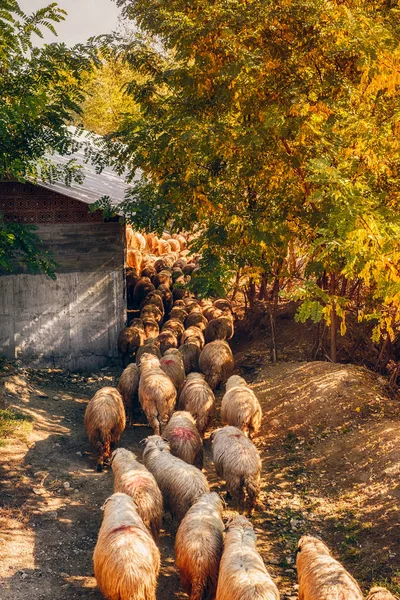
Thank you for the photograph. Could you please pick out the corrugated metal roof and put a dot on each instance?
(95, 185)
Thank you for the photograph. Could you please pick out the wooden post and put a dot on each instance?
(333, 319)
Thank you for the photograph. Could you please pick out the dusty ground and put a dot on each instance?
(331, 464)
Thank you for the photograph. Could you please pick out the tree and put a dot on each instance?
(268, 124)
(40, 90)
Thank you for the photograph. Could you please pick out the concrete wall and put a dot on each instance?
(73, 322)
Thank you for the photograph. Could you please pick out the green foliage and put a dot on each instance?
(268, 124)
(40, 91)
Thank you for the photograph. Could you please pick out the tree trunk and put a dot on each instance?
(251, 292)
(236, 286)
(272, 314)
(262, 295)
(333, 319)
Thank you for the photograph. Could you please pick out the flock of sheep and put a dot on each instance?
(181, 355)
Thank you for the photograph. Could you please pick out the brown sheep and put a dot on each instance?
(181, 484)
(129, 341)
(166, 297)
(178, 292)
(104, 422)
(176, 273)
(151, 328)
(128, 386)
(180, 304)
(161, 264)
(150, 346)
(133, 479)
(189, 268)
(240, 406)
(162, 278)
(210, 312)
(134, 259)
(196, 319)
(154, 298)
(216, 362)
(193, 335)
(163, 247)
(151, 242)
(172, 364)
(175, 326)
(166, 340)
(223, 304)
(180, 263)
(175, 245)
(181, 239)
(242, 573)
(197, 398)
(126, 559)
(149, 272)
(151, 311)
(131, 280)
(380, 593)
(142, 288)
(198, 547)
(219, 329)
(320, 575)
(157, 393)
(238, 462)
(178, 313)
(190, 354)
(184, 439)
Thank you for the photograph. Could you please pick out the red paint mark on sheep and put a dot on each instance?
(183, 433)
(124, 528)
(235, 435)
(169, 361)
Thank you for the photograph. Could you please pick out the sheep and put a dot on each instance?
(128, 386)
(132, 278)
(238, 462)
(196, 319)
(178, 313)
(184, 439)
(175, 326)
(134, 259)
(153, 298)
(223, 304)
(151, 242)
(216, 362)
(219, 329)
(198, 547)
(321, 577)
(149, 272)
(189, 268)
(242, 573)
(162, 278)
(157, 393)
(175, 245)
(150, 346)
(151, 311)
(151, 328)
(190, 354)
(210, 312)
(197, 398)
(163, 247)
(130, 339)
(166, 297)
(104, 422)
(176, 273)
(172, 364)
(178, 292)
(240, 406)
(133, 479)
(166, 340)
(380, 593)
(181, 239)
(126, 559)
(194, 335)
(142, 288)
(135, 240)
(181, 484)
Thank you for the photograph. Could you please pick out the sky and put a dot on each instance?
(85, 19)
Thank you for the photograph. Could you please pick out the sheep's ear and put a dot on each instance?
(143, 442)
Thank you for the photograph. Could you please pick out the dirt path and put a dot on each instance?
(330, 453)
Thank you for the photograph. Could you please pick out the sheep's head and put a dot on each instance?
(234, 381)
